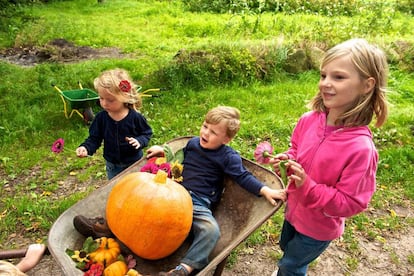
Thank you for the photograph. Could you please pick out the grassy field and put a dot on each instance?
(150, 33)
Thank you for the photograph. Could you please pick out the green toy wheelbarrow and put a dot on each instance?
(79, 101)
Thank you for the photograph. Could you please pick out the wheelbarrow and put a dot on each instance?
(79, 101)
(239, 213)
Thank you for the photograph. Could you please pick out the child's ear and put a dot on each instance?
(369, 85)
(226, 140)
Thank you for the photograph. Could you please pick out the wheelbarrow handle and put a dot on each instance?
(17, 253)
(55, 87)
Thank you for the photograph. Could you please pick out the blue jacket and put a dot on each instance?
(116, 149)
(204, 170)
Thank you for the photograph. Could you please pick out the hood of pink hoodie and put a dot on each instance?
(341, 168)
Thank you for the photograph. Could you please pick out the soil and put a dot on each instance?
(392, 255)
(57, 50)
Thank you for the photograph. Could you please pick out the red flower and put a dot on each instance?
(95, 270)
(152, 167)
(263, 153)
(149, 168)
(166, 167)
(124, 86)
(152, 160)
(57, 146)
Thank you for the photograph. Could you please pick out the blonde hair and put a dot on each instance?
(230, 115)
(9, 269)
(112, 81)
(370, 62)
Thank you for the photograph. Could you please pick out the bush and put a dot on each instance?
(405, 6)
(322, 7)
(222, 66)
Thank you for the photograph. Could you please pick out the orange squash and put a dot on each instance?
(107, 252)
(118, 268)
(150, 214)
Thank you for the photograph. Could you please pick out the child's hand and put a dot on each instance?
(297, 173)
(133, 142)
(155, 151)
(276, 160)
(81, 152)
(272, 194)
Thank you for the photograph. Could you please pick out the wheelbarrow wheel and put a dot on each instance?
(88, 115)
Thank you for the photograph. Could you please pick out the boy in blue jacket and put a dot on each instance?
(207, 160)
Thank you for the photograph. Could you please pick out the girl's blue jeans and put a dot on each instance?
(298, 251)
(205, 231)
(113, 170)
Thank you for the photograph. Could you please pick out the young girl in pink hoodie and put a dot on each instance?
(332, 159)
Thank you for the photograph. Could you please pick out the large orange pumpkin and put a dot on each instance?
(151, 214)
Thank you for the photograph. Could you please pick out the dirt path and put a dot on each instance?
(390, 257)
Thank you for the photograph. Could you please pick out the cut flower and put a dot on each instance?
(124, 86)
(170, 163)
(80, 256)
(92, 257)
(263, 153)
(58, 145)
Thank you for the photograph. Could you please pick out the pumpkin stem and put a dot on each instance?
(161, 177)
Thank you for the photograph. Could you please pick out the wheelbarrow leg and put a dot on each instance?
(88, 115)
(220, 267)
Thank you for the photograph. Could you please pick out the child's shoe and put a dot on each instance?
(92, 227)
(178, 271)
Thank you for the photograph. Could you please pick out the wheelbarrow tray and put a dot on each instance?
(80, 98)
(239, 213)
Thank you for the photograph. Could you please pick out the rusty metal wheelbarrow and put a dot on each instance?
(239, 213)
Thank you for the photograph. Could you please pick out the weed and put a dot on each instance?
(411, 259)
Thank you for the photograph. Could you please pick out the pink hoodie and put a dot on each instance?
(341, 168)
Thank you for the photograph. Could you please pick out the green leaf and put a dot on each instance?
(170, 156)
(70, 252)
(90, 245)
(81, 265)
(168, 153)
(283, 172)
(179, 156)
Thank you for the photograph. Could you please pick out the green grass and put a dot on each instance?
(31, 111)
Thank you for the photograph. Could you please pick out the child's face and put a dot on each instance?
(340, 85)
(213, 136)
(109, 102)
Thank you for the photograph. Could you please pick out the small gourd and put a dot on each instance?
(118, 268)
(107, 252)
(150, 214)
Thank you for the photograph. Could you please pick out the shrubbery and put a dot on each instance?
(222, 65)
(321, 7)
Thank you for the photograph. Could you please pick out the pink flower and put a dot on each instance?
(124, 86)
(149, 168)
(166, 167)
(57, 146)
(130, 261)
(263, 152)
(95, 270)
